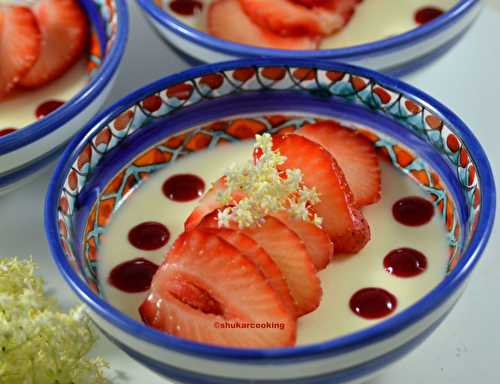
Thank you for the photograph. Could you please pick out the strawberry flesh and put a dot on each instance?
(64, 32)
(317, 242)
(288, 252)
(290, 255)
(308, 18)
(201, 285)
(354, 154)
(19, 45)
(208, 203)
(321, 171)
(195, 297)
(228, 21)
(255, 254)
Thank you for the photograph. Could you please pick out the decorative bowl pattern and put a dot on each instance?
(123, 146)
(398, 54)
(28, 150)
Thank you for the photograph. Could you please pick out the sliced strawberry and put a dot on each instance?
(208, 203)
(255, 254)
(226, 20)
(291, 257)
(64, 28)
(356, 238)
(288, 251)
(19, 45)
(355, 155)
(195, 297)
(317, 242)
(205, 285)
(320, 170)
(287, 18)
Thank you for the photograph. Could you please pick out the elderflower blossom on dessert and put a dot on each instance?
(266, 189)
(38, 343)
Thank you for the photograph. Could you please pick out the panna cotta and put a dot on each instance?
(402, 262)
(372, 20)
(25, 107)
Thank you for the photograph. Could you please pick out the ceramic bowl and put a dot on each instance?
(396, 55)
(29, 149)
(146, 131)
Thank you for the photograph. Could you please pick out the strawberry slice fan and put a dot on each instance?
(205, 282)
(34, 57)
(279, 24)
(282, 253)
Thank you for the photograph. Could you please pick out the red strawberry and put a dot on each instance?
(64, 29)
(357, 237)
(255, 254)
(195, 297)
(355, 155)
(320, 170)
(226, 20)
(291, 257)
(287, 250)
(19, 45)
(206, 284)
(317, 242)
(208, 203)
(287, 18)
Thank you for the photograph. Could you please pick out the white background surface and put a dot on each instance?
(466, 347)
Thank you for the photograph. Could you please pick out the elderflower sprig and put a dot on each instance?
(265, 190)
(38, 343)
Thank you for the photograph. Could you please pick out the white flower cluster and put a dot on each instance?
(38, 343)
(266, 190)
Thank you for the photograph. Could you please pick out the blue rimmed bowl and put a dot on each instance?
(397, 54)
(152, 127)
(29, 149)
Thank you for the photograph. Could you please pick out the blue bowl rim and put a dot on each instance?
(363, 50)
(336, 346)
(82, 99)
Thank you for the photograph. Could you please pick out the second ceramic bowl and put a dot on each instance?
(396, 54)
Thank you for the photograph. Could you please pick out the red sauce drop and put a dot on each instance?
(6, 131)
(133, 276)
(427, 14)
(413, 211)
(48, 107)
(186, 7)
(149, 236)
(373, 303)
(405, 262)
(183, 187)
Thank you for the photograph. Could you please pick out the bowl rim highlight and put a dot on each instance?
(375, 333)
(38, 129)
(357, 51)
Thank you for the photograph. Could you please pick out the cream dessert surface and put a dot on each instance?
(374, 20)
(19, 109)
(340, 280)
